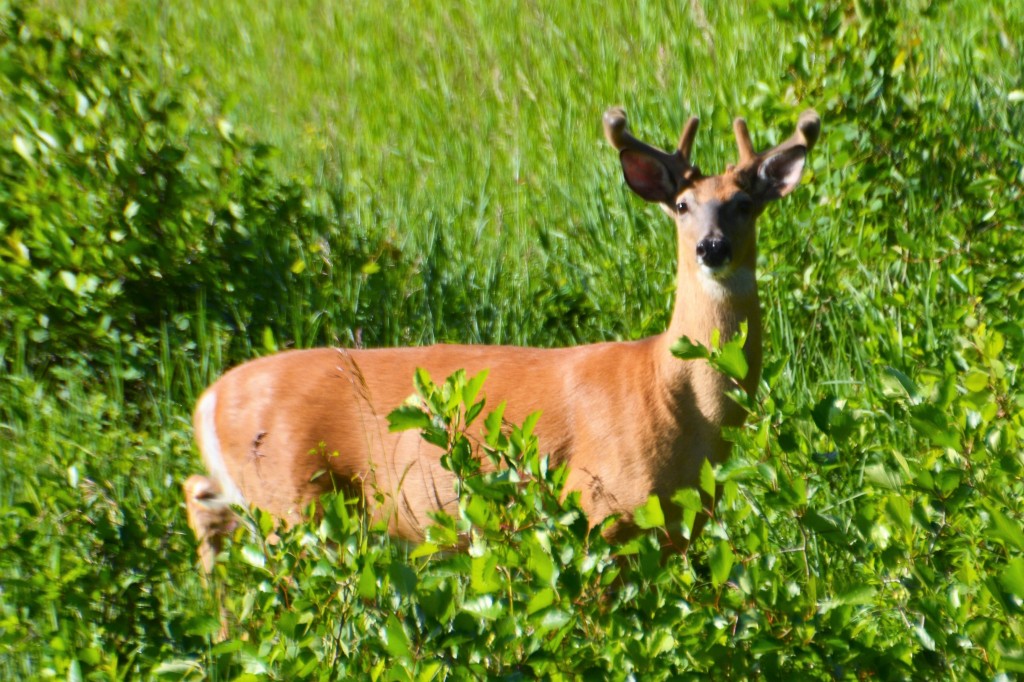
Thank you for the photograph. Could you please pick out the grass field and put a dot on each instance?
(438, 173)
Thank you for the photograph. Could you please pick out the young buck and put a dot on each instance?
(630, 419)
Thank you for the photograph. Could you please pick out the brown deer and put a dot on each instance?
(628, 418)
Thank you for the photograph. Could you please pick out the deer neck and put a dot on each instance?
(703, 304)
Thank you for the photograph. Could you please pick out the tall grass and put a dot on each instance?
(475, 128)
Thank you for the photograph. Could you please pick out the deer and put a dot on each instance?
(628, 418)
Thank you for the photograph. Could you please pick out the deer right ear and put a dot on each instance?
(647, 176)
(779, 174)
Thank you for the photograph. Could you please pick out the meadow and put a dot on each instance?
(184, 186)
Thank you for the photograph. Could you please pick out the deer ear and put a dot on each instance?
(647, 176)
(779, 174)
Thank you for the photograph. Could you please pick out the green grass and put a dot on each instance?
(451, 156)
(455, 84)
(477, 125)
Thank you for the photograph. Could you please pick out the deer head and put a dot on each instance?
(715, 214)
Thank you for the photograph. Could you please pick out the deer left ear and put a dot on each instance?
(647, 176)
(779, 174)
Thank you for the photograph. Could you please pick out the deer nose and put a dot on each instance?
(714, 252)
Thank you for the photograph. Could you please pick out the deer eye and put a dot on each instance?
(681, 207)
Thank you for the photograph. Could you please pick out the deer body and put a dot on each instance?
(630, 419)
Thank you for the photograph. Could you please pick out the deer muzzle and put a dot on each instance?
(714, 252)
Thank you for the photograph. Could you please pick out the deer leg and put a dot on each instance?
(209, 516)
(211, 519)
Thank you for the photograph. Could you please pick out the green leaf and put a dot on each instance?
(492, 425)
(484, 576)
(529, 424)
(732, 362)
(478, 511)
(839, 423)
(93, 656)
(722, 559)
(821, 412)
(452, 391)
(424, 549)
(906, 382)
(408, 417)
(897, 508)
(933, 423)
(976, 381)
(429, 671)
(1003, 529)
(881, 476)
(539, 560)
(826, 527)
(442, 532)
(230, 646)
(1012, 577)
(993, 345)
(367, 582)
(225, 128)
(473, 411)
(685, 349)
(473, 386)
(553, 619)
(425, 388)
(1012, 661)
(254, 556)
(269, 344)
(689, 499)
(860, 595)
(69, 280)
(483, 606)
(436, 436)
(927, 641)
(74, 671)
(180, 668)
(649, 515)
(403, 579)
(541, 599)
(24, 148)
(662, 642)
(131, 210)
(707, 478)
(396, 640)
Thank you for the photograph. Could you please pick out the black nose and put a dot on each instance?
(714, 253)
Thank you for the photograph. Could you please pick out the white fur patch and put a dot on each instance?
(723, 283)
(209, 446)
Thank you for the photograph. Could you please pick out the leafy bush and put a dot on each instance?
(786, 580)
(127, 205)
(517, 585)
(340, 599)
(92, 544)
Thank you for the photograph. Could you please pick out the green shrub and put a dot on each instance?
(94, 556)
(127, 205)
(808, 567)
(517, 585)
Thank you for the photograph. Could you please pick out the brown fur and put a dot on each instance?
(629, 418)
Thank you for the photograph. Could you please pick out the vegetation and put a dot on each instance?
(437, 174)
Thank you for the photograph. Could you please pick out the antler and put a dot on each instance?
(808, 127)
(678, 162)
